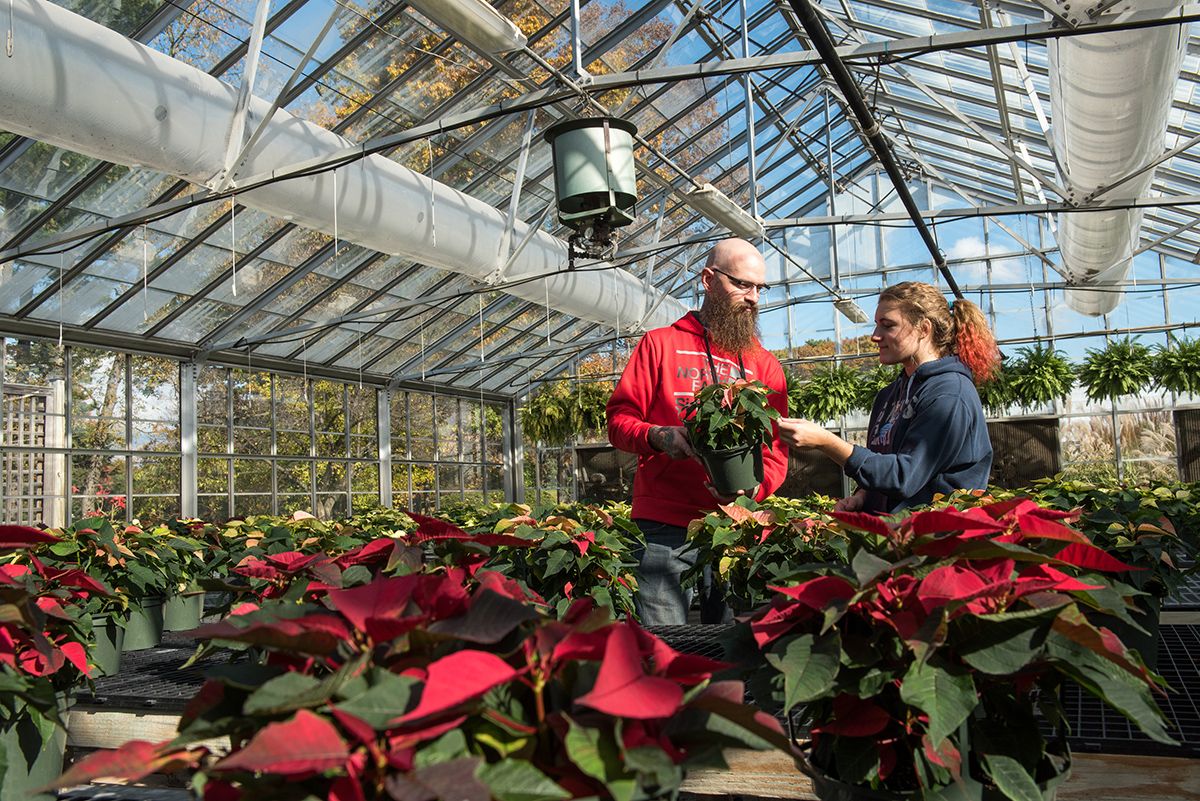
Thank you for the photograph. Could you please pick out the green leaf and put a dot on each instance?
(654, 763)
(809, 666)
(450, 746)
(559, 561)
(1002, 644)
(285, 693)
(517, 780)
(946, 695)
(594, 752)
(388, 699)
(867, 566)
(1011, 778)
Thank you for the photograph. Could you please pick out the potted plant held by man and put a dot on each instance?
(727, 424)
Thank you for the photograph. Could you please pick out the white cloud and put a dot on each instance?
(969, 247)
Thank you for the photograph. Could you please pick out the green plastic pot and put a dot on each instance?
(110, 642)
(33, 758)
(182, 611)
(734, 470)
(145, 625)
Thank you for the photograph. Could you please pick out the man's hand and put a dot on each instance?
(851, 503)
(671, 440)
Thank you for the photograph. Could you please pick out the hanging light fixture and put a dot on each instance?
(851, 310)
(595, 182)
(717, 206)
(475, 23)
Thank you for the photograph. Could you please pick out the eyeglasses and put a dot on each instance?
(743, 286)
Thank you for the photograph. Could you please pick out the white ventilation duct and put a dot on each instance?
(78, 85)
(1110, 94)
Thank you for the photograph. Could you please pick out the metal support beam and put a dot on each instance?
(870, 130)
(237, 123)
(189, 484)
(384, 425)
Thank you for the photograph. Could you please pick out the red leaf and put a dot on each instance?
(865, 522)
(1092, 558)
(372, 551)
(585, 645)
(304, 744)
(779, 619)
(819, 592)
(382, 598)
(854, 717)
(623, 689)
(77, 655)
(23, 536)
(459, 677)
(134, 760)
(939, 521)
(1036, 578)
(312, 634)
(400, 739)
(950, 583)
(945, 755)
(740, 514)
(432, 528)
(1036, 525)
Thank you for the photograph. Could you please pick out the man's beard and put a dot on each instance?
(732, 326)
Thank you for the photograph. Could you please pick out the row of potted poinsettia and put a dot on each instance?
(918, 662)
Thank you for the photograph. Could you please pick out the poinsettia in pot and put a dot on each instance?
(727, 425)
(920, 666)
(43, 654)
(442, 687)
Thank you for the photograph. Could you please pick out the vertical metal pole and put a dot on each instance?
(383, 406)
(273, 388)
(188, 459)
(835, 272)
(576, 42)
(311, 395)
(229, 488)
(127, 365)
(514, 455)
(752, 177)
(68, 432)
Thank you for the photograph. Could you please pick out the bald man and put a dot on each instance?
(717, 343)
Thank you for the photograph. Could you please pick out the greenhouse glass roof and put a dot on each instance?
(1037, 161)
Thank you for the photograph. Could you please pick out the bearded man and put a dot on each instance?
(718, 343)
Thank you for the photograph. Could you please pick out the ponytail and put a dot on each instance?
(974, 342)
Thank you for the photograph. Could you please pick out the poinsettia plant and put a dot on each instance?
(446, 686)
(43, 633)
(727, 416)
(921, 664)
(568, 551)
(753, 545)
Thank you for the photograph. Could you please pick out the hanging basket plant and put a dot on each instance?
(1177, 366)
(557, 412)
(873, 381)
(997, 393)
(1122, 367)
(828, 393)
(1040, 375)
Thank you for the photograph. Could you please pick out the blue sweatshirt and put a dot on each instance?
(927, 435)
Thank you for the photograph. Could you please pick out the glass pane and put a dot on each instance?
(331, 444)
(213, 507)
(98, 481)
(330, 506)
(155, 388)
(156, 475)
(448, 427)
(420, 426)
(473, 484)
(364, 478)
(251, 398)
(449, 482)
(364, 447)
(150, 510)
(252, 441)
(423, 481)
(212, 476)
(244, 505)
(211, 439)
(251, 475)
(401, 492)
(331, 476)
(153, 435)
(294, 478)
(98, 398)
(34, 410)
(364, 503)
(329, 406)
(1148, 448)
(493, 432)
(33, 486)
(291, 404)
(471, 432)
(364, 414)
(212, 396)
(1088, 453)
(295, 503)
(494, 483)
(399, 419)
(293, 443)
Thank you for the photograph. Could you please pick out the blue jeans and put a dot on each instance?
(661, 600)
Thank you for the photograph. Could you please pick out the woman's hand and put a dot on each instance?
(799, 433)
(796, 432)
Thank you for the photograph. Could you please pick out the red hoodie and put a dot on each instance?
(663, 374)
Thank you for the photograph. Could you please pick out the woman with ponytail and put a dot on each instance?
(927, 433)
